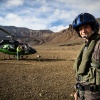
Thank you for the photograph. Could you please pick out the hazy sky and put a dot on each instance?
(45, 14)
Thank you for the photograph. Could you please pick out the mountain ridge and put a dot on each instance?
(36, 37)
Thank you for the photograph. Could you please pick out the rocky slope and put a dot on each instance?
(25, 34)
(66, 37)
(36, 37)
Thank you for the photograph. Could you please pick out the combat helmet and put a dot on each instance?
(85, 18)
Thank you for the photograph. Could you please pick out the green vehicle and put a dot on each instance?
(10, 47)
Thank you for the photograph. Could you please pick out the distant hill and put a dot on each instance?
(36, 37)
(25, 34)
(66, 37)
(98, 19)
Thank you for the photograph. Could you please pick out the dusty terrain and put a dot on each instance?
(51, 78)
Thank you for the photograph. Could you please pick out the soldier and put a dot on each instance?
(87, 64)
(19, 50)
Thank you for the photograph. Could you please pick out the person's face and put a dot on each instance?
(85, 31)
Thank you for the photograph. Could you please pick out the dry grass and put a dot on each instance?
(51, 78)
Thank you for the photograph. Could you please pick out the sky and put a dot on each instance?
(54, 15)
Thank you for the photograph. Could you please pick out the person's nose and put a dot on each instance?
(83, 30)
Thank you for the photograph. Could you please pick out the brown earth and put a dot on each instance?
(51, 78)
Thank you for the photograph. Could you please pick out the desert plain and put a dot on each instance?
(49, 78)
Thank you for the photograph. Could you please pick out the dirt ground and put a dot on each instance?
(50, 78)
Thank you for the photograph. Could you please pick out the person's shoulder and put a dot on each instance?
(97, 44)
(98, 39)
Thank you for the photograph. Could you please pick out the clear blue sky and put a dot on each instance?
(54, 15)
